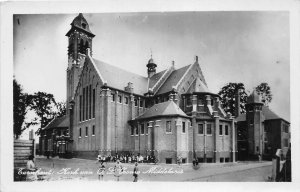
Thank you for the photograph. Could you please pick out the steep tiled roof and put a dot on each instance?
(172, 80)
(267, 112)
(199, 87)
(119, 78)
(58, 122)
(155, 78)
(168, 108)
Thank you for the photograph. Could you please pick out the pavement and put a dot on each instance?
(54, 169)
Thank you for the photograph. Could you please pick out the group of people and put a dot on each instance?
(128, 158)
(118, 169)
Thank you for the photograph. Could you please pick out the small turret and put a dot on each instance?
(151, 67)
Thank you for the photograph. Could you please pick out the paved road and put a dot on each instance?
(80, 169)
(252, 174)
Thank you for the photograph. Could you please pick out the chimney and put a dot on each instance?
(237, 102)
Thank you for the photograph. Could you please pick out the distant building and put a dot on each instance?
(54, 138)
(168, 114)
(261, 131)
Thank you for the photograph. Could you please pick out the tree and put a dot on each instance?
(20, 108)
(227, 94)
(61, 109)
(264, 91)
(44, 105)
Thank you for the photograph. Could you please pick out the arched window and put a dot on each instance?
(87, 45)
(81, 47)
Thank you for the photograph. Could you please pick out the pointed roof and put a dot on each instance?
(267, 112)
(119, 78)
(168, 108)
(199, 87)
(81, 24)
(58, 122)
(172, 80)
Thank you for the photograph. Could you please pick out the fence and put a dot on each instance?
(22, 150)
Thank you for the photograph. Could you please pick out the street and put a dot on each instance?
(55, 169)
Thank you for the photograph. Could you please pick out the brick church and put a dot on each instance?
(168, 114)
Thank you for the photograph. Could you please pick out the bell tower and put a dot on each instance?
(80, 38)
(254, 118)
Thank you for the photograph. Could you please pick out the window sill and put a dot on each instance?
(79, 137)
(86, 136)
(168, 133)
(93, 135)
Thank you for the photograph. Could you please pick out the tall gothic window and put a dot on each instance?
(83, 104)
(87, 102)
(80, 108)
(90, 102)
(94, 100)
(168, 127)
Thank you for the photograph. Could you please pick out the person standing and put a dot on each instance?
(118, 169)
(135, 172)
(101, 171)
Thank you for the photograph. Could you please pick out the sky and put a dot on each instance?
(247, 47)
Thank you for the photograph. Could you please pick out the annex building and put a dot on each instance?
(261, 130)
(168, 114)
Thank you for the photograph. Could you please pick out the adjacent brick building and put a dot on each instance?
(262, 131)
(168, 114)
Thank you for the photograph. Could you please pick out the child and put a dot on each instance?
(118, 169)
(135, 172)
(101, 171)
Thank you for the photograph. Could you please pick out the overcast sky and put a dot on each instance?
(247, 47)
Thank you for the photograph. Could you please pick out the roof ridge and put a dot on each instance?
(181, 79)
(161, 78)
(49, 122)
(120, 68)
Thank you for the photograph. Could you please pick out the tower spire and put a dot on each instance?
(151, 66)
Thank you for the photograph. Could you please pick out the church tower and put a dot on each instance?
(255, 118)
(80, 38)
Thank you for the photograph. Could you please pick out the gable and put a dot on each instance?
(198, 86)
(88, 76)
(173, 80)
(192, 80)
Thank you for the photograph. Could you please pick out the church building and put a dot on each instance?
(168, 114)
